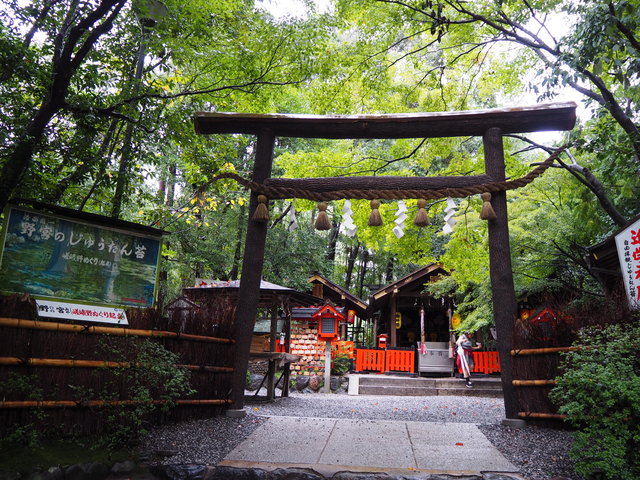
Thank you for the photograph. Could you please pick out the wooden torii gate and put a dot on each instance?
(490, 124)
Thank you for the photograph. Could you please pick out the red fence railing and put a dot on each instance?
(486, 362)
(370, 360)
(385, 360)
(403, 360)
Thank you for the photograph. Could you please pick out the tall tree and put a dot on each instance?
(589, 46)
(73, 39)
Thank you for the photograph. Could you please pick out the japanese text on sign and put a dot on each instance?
(61, 258)
(628, 246)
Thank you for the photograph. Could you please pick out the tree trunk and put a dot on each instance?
(22, 154)
(363, 271)
(333, 242)
(389, 271)
(352, 254)
(71, 45)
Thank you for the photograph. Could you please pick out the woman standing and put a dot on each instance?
(464, 359)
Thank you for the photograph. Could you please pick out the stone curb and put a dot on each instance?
(129, 470)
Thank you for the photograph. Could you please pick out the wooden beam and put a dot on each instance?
(536, 118)
(500, 271)
(249, 291)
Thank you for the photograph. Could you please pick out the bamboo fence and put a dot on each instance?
(73, 372)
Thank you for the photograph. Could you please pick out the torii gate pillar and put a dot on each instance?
(505, 307)
(249, 291)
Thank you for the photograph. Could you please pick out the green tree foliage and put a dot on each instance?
(599, 392)
(111, 143)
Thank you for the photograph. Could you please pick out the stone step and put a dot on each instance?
(397, 381)
(448, 382)
(423, 392)
(418, 386)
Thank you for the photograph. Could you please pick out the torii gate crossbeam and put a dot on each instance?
(490, 124)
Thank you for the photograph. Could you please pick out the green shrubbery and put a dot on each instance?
(153, 374)
(150, 380)
(599, 392)
(340, 365)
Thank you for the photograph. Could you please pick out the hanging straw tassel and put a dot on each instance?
(422, 219)
(262, 211)
(375, 219)
(323, 222)
(487, 212)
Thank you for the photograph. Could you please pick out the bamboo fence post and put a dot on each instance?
(117, 331)
(543, 351)
(542, 416)
(534, 383)
(64, 362)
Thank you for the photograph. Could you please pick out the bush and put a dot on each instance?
(153, 374)
(29, 433)
(599, 392)
(340, 365)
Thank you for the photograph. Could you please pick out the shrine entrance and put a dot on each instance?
(491, 125)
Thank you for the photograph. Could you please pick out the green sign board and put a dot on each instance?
(57, 257)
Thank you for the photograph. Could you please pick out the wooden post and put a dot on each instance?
(287, 348)
(393, 308)
(271, 389)
(500, 271)
(249, 291)
(327, 367)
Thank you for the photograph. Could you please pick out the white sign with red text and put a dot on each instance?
(628, 246)
(87, 313)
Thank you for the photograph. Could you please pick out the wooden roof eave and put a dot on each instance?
(379, 297)
(536, 118)
(361, 306)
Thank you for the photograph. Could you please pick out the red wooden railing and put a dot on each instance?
(403, 360)
(486, 362)
(369, 360)
(389, 360)
(400, 360)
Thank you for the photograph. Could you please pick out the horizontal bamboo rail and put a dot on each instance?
(533, 383)
(543, 351)
(102, 403)
(62, 362)
(542, 416)
(118, 331)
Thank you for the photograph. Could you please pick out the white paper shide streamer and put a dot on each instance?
(450, 211)
(349, 228)
(293, 221)
(401, 216)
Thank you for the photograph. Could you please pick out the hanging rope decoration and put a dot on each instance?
(266, 191)
(422, 219)
(375, 219)
(262, 211)
(323, 222)
(487, 212)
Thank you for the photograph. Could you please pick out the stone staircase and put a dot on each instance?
(483, 386)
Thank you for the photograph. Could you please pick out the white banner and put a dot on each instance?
(87, 313)
(628, 246)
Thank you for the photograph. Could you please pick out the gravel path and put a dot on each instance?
(539, 453)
